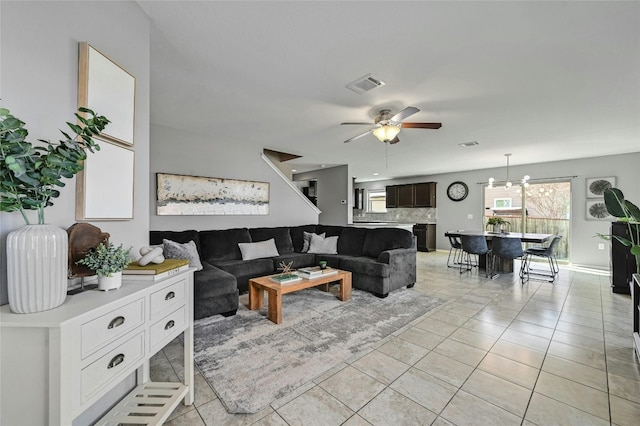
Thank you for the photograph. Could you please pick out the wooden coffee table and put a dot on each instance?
(257, 287)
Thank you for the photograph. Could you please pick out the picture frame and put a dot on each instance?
(105, 187)
(596, 186)
(178, 195)
(109, 90)
(597, 210)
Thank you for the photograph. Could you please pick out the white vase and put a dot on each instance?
(110, 283)
(37, 257)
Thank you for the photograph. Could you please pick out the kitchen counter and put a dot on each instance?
(401, 225)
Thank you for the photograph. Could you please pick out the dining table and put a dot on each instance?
(506, 264)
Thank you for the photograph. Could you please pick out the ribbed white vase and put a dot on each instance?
(37, 257)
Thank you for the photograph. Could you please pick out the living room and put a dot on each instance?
(39, 85)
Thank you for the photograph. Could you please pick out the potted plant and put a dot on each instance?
(29, 178)
(497, 222)
(626, 212)
(107, 261)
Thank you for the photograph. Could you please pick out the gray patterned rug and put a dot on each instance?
(251, 362)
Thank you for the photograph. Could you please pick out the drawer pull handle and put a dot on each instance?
(116, 360)
(170, 295)
(169, 325)
(116, 322)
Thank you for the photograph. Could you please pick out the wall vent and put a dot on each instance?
(364, 84)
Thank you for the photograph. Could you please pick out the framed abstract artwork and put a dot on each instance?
(196, 195)
(108, 90)
(597, 186)
(596, 210)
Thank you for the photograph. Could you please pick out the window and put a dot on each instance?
(377, 201)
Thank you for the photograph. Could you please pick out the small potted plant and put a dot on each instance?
(107, 261)
(497, 222)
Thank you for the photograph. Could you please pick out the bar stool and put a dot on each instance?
(507, 248)
(473, 245)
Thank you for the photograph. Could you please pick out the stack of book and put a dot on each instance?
(316, 272)
(285, 278)
(155, 271)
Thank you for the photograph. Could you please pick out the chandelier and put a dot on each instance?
(524, 181)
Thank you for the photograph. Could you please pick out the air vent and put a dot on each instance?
(468, 144)
(364, 84)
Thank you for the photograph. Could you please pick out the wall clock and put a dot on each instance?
(457, 191)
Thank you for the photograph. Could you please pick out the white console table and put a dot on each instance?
(55, 364)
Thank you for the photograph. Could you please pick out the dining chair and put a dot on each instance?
(507, 248)
(548, 253)
(474, 245)
(456, 250)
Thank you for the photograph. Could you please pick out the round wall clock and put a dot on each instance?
(457, 191)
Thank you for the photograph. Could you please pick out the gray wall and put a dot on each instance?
(584, 247)
(202, 156)
(334, 186)
(39, 80)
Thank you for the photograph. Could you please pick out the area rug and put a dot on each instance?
(250, 361)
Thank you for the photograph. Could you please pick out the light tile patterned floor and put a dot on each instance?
(498, 353)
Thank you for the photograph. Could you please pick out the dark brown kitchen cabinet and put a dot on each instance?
(405, 196)
(425, 236)
(424, 194)
(392, 197)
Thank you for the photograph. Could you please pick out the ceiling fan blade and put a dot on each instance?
(357, 123)
(359, 136)
(394, 140)
(421, 125)
(408, 111)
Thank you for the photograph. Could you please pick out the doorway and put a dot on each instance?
(547, 207)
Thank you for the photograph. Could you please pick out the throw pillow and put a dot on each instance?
(321, 245)
(173, 250)
(307, 240)
(258, 250)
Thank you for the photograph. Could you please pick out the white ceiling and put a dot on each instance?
(544, 81)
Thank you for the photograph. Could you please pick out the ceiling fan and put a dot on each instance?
(387, 126)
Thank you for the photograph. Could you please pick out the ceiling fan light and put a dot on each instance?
(386, 133)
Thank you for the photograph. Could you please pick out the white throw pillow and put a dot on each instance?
(321, 245)
(307, 240)
(258, 250)
(173, 250)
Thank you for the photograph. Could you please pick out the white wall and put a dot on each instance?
(334, 186)
(583, 245)
(181, 152)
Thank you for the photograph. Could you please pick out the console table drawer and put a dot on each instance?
(99, 332)
(167, 328)
(113, 365)
(170, 296)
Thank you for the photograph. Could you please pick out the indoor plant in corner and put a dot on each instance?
(625, 211)
(107, 261)
(29, 176)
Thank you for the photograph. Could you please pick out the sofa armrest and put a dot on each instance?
(402, 266)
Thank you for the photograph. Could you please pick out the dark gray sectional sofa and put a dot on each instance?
(380, 260)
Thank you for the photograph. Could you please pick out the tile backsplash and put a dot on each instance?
(402, 215)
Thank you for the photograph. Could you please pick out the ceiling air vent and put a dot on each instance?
(364, 84)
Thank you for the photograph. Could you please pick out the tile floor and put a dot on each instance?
(498, 353)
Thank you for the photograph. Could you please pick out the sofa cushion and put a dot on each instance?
(297, 233)
(223, 244)
(258, 250)
(173, 250)
(156, 237)
(212, 282)
(300, 260)
(333, 260)
(279, 234)
(246, 268)
(330, 230)
(380, 239)
(319, 244)
(365, 265)
(351, 241)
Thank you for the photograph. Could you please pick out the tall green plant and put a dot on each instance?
(627, 212)
(30, 174)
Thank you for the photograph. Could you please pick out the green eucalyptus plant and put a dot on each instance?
(106, 259)
(626, 212)
(30, 174)
(496, 220)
